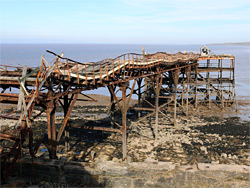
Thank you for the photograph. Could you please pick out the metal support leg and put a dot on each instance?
(157, 92)
(139, 81)
(208, 85)
(65, 109)
(196, 85)
(51, 130)
(188, 80)
(124, 124)
(175, 79)
(112, 107)
(175, 105)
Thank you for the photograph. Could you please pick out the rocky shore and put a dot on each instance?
(204, 136)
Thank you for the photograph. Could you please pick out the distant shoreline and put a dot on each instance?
(235, 44)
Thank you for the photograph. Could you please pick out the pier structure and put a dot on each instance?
(173, 82)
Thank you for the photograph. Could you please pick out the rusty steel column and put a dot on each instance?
(53, 132)
(175, 104)
(51, 129)
(112, 107)
(235, 96)
(157, 89)
(65, 121)
(208, 84)
(139, 81)
(65, 110)
(175, 79)
(221, 86)
(124, 109)
(196, 85)
(157, 93)
(188, 79)
(124, 123)
(182, 92)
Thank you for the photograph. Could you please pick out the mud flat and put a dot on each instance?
(209, 148)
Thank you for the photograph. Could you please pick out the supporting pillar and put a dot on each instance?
(124, 109)
(235, 96)
(65, 121)
(196, 85)
(208, 84)
(188, 80)
(175, 105)
(124, 123)
(51, 129)
(139, 82)
(112, 107)
(146, 89)
(175, 79)
(157, 88)
(157, 92)
(221, 87)
(65, 110)
(183, 90)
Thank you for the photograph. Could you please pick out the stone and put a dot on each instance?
(204, 149)
(224, 155)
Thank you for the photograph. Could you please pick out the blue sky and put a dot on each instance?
(124, 21)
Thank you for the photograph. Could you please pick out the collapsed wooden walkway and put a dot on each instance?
(161, 80)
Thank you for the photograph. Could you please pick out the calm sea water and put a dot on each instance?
(30, 54)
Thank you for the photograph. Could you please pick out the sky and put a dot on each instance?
(124, 21)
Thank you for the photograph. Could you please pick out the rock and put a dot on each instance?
(92, 155)
(103, 157)
(224, 155)
(80, 156)
(204, 149)
(234, 157)
(116, 159)
(215, 162)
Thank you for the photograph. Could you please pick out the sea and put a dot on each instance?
(30, 54)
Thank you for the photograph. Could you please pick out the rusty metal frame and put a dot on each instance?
(76, 77)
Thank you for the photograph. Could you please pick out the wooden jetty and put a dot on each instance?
(162, 80)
